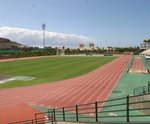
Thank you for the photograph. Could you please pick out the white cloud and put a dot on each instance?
(35, 37)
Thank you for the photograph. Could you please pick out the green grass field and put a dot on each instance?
(49, 69)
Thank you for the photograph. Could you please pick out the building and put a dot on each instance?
(91, 45)
(145, 53)
(145, 45)
(81, 46)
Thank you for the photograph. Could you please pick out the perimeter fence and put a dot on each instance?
(130, 64)
(125, 109)
(142, 90)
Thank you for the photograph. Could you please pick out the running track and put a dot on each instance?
(94, 86)
(138, 64)
(15, 113)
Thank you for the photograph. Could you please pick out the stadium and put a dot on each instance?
(74, 62)
(102, 88)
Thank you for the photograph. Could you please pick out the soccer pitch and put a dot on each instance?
(51, 69)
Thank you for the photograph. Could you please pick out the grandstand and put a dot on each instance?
(146, 54)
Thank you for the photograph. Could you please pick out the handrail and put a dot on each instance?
(142, 90)
(122, 108)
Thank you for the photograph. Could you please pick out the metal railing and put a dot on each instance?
(125, 109)
(130, 64)
(142, 90)
(39, 118)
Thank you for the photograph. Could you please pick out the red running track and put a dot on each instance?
(138, 64)
(94, 86)
(15, 113)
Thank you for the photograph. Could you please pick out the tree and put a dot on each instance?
(145, 41)
(148, 41)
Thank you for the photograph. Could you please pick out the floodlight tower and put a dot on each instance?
(43, 28)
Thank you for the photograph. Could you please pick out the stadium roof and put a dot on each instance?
(146, 52)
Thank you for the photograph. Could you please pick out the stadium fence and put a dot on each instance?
(142, 90)
(126, 109)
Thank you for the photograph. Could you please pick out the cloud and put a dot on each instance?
(35, 37)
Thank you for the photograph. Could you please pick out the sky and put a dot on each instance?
(116, 23)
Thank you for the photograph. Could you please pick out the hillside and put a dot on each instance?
(8, 44)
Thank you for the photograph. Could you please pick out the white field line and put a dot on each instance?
(6, 80)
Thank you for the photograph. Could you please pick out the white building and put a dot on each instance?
(145, 45)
